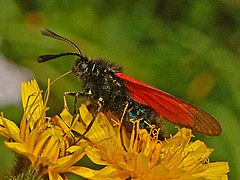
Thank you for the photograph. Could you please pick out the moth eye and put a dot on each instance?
(82, 66)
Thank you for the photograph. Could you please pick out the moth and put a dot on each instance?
(106, 85)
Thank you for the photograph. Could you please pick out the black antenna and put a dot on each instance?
(48, 57)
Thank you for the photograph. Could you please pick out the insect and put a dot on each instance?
(105, 84)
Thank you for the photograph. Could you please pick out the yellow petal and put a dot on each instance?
(83, 171)
(32, 101)
(67, 120)
(53, 175)
(198, 152)
(95, 155)
(143, 163)
(17, 147)
(11, 129)
(54, 153)
(72, 149)
(39, 146)
(65, 162)
(108, 172)
(61, 123)
(34, 139)
(111, 172)
(50, 147)
(101, 130)
(47, 94)
(20, 149)
(24, 126)
(160, 169)
(3, 132)
(215, 170)
(85, 115)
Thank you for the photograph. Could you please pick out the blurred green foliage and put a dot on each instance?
(187, 48)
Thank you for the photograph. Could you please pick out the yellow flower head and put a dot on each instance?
(48, 146)
(41, 142)
(145, 156)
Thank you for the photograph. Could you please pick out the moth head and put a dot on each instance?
(81, 65)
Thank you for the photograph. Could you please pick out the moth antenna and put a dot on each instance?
(51, 34)
(48, 57)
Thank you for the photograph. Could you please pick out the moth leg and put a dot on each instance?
(76, 95)
(163, 133)
(121, 126)
(92, 121)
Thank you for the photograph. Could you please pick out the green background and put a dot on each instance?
(187, 48)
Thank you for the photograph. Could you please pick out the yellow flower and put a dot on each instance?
(145, 157)
(48, 147)
(42, 143)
